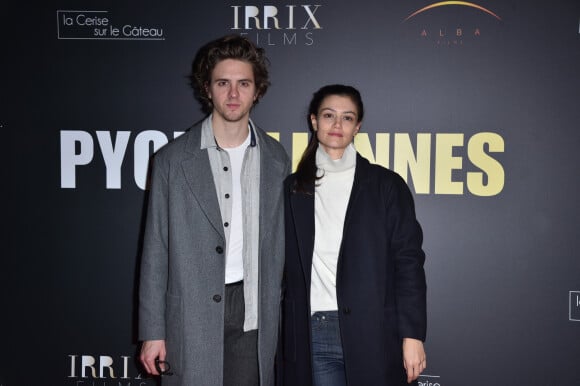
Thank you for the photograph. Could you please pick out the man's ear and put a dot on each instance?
(206, 88)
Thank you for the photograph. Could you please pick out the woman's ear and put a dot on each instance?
(314, 122)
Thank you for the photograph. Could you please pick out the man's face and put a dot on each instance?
(232, 90)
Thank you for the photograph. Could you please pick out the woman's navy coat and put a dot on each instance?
(380, 283)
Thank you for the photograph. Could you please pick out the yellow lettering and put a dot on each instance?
(490, 166)
(418, 164)
(382, 141)
(414, 161)
(445, 163)
(299, 144)
(276, 136)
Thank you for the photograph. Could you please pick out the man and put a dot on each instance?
(213, 250)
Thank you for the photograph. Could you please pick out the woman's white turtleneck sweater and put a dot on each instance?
(331, 197)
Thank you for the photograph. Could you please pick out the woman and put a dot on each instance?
(354, 300)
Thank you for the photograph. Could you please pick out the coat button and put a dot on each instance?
(346, 310)
(217, 298)
(219, 249)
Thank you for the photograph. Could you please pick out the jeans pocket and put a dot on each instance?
(317, 321)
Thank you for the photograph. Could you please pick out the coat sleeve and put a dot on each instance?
(406, 249)
(154, 259)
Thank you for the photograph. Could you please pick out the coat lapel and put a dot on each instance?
(360, 176)
(271, 170)
(199, 177)
(358, 186)
(302, 206)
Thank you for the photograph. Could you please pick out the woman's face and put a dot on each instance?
(336, 124)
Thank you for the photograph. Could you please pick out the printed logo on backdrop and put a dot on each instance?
(278, 25)
(574, 313)
(451, 23)
(429, 380)
(435, 163)
(101, 25)
(109, 371)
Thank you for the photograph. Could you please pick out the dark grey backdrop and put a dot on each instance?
(503, 271)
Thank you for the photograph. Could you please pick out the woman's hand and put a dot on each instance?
(414, 358)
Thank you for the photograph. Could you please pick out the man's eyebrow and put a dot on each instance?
(235, 80)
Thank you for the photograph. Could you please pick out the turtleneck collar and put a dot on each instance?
(327, 164)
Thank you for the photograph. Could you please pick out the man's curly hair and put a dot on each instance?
(228, 47)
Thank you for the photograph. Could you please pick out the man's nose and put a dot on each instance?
(234, 91)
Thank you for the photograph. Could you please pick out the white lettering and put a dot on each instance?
(69, 158)
(270, 12)
(146, 143)
(291, 16)
(311, 17)
(310, 39)
(140, 32)
(106, 362)
(106, 368)
(125, 367)
(236, 18)
(81, 19)
(252, 13)
(271, 17)
(87, 362)
(73, 372)
(291, 40)
(113, 157)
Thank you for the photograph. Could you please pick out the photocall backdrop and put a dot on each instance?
(475, 104)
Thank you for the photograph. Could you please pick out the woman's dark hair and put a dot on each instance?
(228, 47)
(306, 170)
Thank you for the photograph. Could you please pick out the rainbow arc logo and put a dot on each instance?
(449, 3)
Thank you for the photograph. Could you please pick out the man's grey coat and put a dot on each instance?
(181, 296)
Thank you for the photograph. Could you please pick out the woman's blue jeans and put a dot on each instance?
(327, 358)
